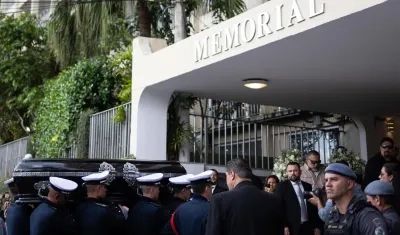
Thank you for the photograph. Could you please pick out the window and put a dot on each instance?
(323, 141)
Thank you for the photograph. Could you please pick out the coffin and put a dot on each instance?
(31, 176)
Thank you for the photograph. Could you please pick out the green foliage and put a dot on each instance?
(79, 31)
(3, 187)
(83, 133)
(25, 63)
(120, 117)
(226, 9)
(88, 84)
(121, 65)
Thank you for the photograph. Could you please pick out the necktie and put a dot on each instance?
(303, 206)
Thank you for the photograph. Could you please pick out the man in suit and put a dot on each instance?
(244, 209)
(301, 217)
(214, 180)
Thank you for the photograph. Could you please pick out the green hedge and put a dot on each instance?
(90, 84)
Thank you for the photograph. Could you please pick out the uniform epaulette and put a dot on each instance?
(155, 204)
(101, 204)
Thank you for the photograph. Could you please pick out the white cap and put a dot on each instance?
(62, 185)
(98, 178)
(180, 180)
(203, 177)
(153, 179)
(9, 181)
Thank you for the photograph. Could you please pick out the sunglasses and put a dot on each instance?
(315, 162)
(387, 146)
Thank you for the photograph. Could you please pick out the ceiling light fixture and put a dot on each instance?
(255, 83)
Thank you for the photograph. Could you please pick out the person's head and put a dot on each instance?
(380, 194)
(237, 170)
(97, 183)
(6, 196)
(339, 181)
(60, 189)
(201, 184)
(387, 148)
(271, 182)
(150, 185)
(313, 160)
(293, 171)
(388, 171)
(7, 204)
(180, 186)
(12, 186)
(214, 176)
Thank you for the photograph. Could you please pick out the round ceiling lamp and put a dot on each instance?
(255, 83)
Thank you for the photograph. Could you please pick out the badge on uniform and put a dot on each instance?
(379, 231)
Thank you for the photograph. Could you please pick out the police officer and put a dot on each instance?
(351, 215)
(381, 195)
(95, 215)
(191, 217)
(18, 215)
(51, 217)
(147, 216)
(180, 188)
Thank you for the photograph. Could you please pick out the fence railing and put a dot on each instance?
(10, 154)
(108, 138)
(216, 141)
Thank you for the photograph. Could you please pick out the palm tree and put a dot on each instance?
(82, 30)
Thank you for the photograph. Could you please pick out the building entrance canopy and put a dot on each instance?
(338, 56)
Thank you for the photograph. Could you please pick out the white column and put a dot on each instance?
(35, 7)
(149, 124)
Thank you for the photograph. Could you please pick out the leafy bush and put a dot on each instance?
(88, 84)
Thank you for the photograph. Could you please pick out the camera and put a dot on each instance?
(267, 185)
(317, 192)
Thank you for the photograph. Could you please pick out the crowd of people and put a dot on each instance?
(311, 201)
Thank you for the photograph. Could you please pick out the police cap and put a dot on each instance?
(379, 188)
(98, 178)
(180, 181)
(63, 186)
(202, 178)
(341, 169)
(9, 182)
(150, 180)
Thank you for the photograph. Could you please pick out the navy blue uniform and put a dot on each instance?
(147, 217)
(96, 217)
(360, 218)
(50, 219)
(174, 203)
(18, 217)
(391, 217)
(190, 218)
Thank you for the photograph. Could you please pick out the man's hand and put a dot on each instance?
(315, 201)
(317, 231)
(287, 231)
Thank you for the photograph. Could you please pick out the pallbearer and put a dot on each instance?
(18, 215)
(51, 217)
(96, 215)
(191, 217)
(148, 217)
(180, 188)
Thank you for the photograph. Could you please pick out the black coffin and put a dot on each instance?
(30, 175)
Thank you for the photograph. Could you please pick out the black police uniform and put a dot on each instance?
(99, 217)
(147, 217)
(191, 217)
(391, 217)
(173, 203)
(18, 218)
(361, 218)
(50, 219)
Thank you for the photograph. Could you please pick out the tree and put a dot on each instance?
(25, 63)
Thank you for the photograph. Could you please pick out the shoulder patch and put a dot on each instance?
(379, 231)
(377, 222)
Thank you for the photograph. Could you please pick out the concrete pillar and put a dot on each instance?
(149, 106)
(371, 131)
(149, 123)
